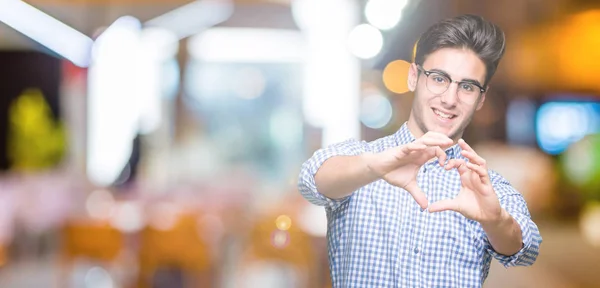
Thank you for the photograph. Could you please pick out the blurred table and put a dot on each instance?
(565, 261)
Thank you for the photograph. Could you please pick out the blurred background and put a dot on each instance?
(157, 143)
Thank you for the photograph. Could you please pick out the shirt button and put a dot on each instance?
(416, 250)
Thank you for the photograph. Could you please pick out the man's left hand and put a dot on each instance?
(476, 199)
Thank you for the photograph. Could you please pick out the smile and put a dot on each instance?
(442, 115)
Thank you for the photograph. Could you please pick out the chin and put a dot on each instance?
(441, 129)
(448, 131)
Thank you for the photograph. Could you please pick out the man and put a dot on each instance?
(419, 208)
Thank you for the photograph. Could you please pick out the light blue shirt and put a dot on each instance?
(379, 237)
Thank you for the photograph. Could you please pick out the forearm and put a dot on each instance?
(505, 234)
(339, 176)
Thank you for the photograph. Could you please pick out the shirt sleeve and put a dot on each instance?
(513, 202)
(306, 180)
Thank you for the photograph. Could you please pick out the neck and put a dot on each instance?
(414, 129)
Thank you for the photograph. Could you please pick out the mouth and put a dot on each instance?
(443, 116)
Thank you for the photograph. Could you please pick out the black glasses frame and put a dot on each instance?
(427, 73)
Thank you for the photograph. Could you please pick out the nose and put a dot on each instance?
(450, 97)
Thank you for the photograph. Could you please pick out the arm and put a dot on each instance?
(504, 235)
(332, 174)
(326, 178)
(516, 239)
(339, 176)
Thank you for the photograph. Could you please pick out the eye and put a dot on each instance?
(439, 79)
(467, 87)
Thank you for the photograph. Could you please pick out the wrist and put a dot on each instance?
(369, 161)
(501, 220)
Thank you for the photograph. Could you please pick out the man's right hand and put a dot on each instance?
(400, 165)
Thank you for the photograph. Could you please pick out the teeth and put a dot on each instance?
(442, 114)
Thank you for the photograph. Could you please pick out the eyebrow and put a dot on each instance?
(473, 81)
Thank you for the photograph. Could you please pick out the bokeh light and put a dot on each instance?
(590, 224)
(163, 216)
(128, 217)
(559, 124)
(384, 14)
(365, 41)
(376, 111)
(581, 163)
(283, 222)
(280, 239)
(395, 76)
(98, 277)
(100, 204)
(414, 51)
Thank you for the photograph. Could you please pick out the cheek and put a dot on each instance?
(425, 100)
(419, 103)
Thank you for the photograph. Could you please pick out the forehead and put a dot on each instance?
(458, 63)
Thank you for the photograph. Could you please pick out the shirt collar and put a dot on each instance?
(404, 136)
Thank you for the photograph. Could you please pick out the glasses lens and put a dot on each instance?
(468, 92)
(437, 83)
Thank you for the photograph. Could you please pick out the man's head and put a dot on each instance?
(454, 62)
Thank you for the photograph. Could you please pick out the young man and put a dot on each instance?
(419, 208)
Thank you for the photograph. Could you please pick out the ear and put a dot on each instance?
(481, 100)
(413, 76)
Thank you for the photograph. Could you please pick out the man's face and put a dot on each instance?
(445, 112)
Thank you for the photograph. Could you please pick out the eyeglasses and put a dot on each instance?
(438, 83)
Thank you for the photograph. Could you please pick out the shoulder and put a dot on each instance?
(383, 143)
(496, 178)
(501, 185)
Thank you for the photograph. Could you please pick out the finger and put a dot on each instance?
(436, 141)
(417, 194)
(444, 205)
(463, 144)
(481, 171)
(473, 157)
(414, 146)
(454, 163)
(441, 155)
(462, 169)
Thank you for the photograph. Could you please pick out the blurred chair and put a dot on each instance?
(276, 240)
(89, 240)
(179, 247)
(3, 255)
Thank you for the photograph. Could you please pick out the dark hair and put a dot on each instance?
(467, 31)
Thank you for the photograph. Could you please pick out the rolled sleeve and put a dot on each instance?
(306, 180)
(514, 203)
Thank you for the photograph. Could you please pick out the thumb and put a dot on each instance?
(417, 194)
(444, 205)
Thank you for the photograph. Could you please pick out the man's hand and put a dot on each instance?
(400, 165)
(476, 199)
